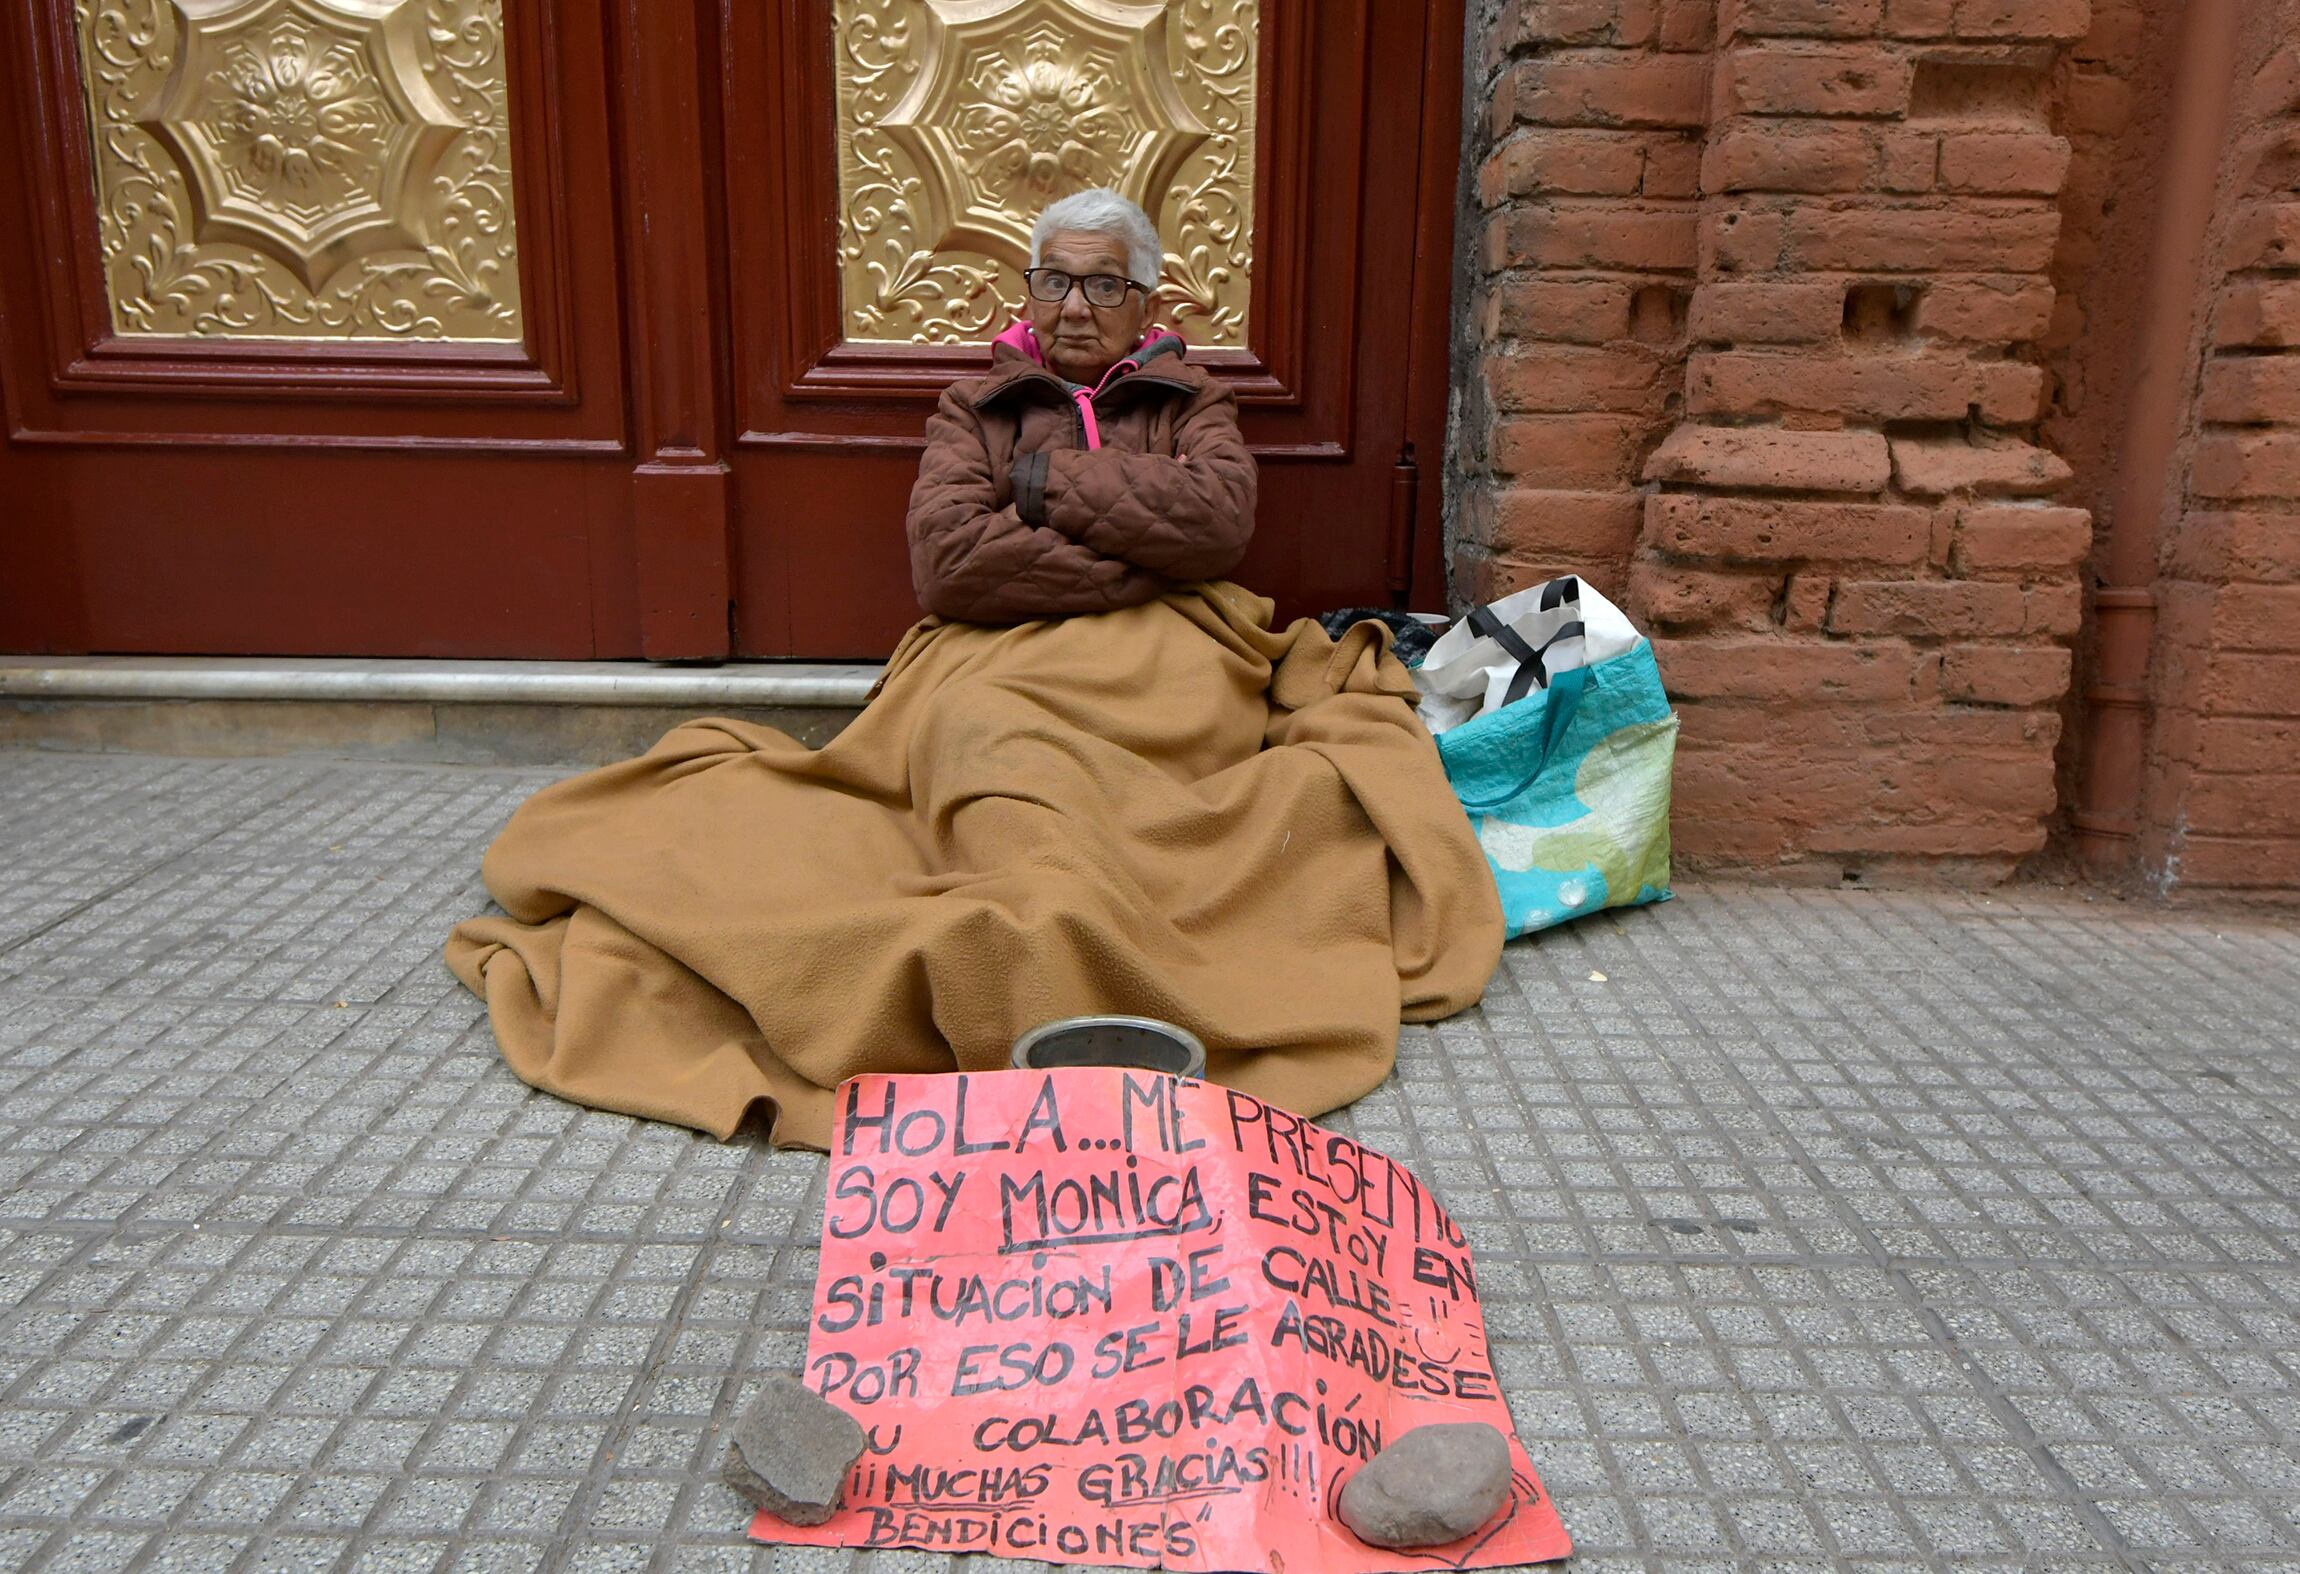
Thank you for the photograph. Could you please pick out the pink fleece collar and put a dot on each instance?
(1024, 338)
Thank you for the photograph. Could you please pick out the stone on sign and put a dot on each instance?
(792, 1451)
(1433, 1485)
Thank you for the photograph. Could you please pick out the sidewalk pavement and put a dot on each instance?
(1827, 1229)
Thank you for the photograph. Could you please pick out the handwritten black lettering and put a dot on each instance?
(1102, 1209)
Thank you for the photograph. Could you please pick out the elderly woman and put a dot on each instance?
(1094, 467)
(1095, 780)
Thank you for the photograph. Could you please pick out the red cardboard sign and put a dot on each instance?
(1125, 1318)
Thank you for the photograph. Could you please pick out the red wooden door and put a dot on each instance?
(256, 414)
(514, 327)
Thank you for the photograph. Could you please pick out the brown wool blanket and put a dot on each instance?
(1170, 811)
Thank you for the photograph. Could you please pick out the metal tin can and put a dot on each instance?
(1140, 1042)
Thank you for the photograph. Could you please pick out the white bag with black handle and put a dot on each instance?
(1504, 651)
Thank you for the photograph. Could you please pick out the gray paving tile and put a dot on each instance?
(1824, 1230)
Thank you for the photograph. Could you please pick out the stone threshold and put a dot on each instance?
(294, 678)
(550, 713)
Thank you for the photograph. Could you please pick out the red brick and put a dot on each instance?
(1962, 726)
(2022, 18)
(2270, 163)
(1572, 163)
(1808, 18)
(1907, 161)
(1805, 603)
(1771, 312)
(1721, 841)
(1600, 235)
(2011, 538)
(1570, 380)
(1863, 387)
(2243, 805)
(1933, 608)
(1812, 79)
(1787, 671)
(1622, 22)
(2247, 465)
(1568, 451)
(1608, 88)
(1768, 157)
(1482, 578)
(1661, 596)
(2252, 388)
(1672, 168)
(1772, 459)
(2005, 674)
(1929, 785)
(2056, 607)
(2258, 312)
(1974, 235)
(1785, 530)
(2115, 36)
(2004, 162)
(1536, 524)
(1918, 18)
(2265, 235)
(2247, 744)
(1798, 787)
(2276, 85)
(2259, 617)
(1575, 311)
(2096, 104)
(1988, 309)
(2252, 546)
(1688, 24)
(2248, 685)
(2239, 863)
(1980, 837)
(1937, 466)
(1740, 240)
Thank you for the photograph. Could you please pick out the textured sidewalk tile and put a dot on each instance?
(1828, 1230)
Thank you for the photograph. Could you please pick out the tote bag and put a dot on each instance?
(1563, 759)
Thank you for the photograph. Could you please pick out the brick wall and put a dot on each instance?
(1755, 318)
(1587, 181)
(2222, 802)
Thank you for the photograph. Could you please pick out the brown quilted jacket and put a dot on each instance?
(1031, 505)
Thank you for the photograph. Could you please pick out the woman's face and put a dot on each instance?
(1080, 341)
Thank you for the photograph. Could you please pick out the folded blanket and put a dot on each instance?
(1170, 811)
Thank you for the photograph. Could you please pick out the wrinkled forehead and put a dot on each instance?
(1081, 251)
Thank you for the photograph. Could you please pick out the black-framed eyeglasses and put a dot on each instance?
(1102, 289)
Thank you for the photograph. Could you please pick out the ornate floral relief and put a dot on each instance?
(960, 119)
(303, 168)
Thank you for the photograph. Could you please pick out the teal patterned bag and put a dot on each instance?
(1568, 783)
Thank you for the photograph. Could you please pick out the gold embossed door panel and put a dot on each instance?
(303, 168)
(958, 120)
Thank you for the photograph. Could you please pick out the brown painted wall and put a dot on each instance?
(1801, 327)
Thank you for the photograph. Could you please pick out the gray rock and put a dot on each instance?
(791, 1452)
(1431, 1485)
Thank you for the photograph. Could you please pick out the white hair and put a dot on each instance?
(1102, 211)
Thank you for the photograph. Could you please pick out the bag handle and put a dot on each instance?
(1532, 665)
(1564, 699)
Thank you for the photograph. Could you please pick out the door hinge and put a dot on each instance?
(1405, 499)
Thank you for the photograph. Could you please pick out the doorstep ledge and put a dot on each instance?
(337, 680)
